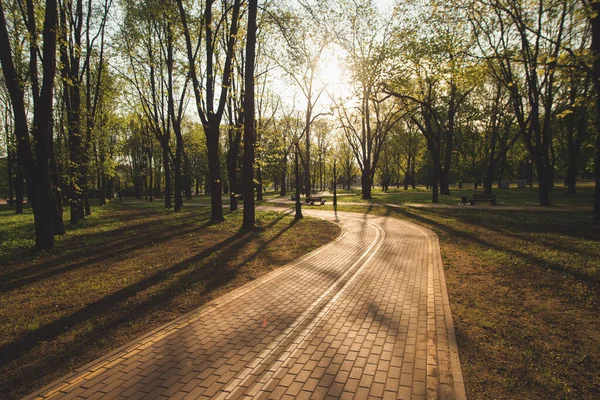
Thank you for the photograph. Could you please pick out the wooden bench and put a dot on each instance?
(487, 197)
(311, 200)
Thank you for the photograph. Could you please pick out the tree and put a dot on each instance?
(248, 171)
(501, 135)
(289, 126)
(436, 77)
(369, 42)
(160, 81)
(104, 140)
(210, 113)
(8, 136)
(76, 48)
(407, 143)
(593, 14)
(525, 42)
(323, 142)
(306, 37)
(347, 164)
(36, 163)
(17, 34)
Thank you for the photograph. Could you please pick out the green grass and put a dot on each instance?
(507, 197)
(17, 237)
(202, 199)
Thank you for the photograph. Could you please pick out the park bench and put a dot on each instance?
(311, 200)
(488, 197)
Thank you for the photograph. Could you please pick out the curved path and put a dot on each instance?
(366, 316)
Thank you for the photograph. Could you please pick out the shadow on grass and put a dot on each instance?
(113, 247)
(209, 269)
(477, 239)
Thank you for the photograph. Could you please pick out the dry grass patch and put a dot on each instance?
(123, 273)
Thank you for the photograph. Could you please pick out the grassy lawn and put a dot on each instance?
(524, 290)
(507, 197)
(524, 286)
(124, 271)
(204, 200)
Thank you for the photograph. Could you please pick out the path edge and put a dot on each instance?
(56, 385)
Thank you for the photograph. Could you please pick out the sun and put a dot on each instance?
(332, 74)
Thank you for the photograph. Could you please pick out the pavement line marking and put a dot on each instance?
(319, 317)
(257, 363)
(149, 339)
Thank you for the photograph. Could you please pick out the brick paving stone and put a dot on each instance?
(366, 316)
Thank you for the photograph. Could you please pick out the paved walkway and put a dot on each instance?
(366, 316)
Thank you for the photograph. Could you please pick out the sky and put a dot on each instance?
(331, 74)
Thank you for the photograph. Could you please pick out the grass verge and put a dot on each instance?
(524, 290)
(505, 197)
(123, 272)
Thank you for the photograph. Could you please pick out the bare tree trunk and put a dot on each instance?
(19, 189)
(36, 169)
(435, 181)
(167, 177)
(283, 176)
(366, 183)
(59, 226)
(214, 172)
(259, 185)
(595, 21)
(249, 127)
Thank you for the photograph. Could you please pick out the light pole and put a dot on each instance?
(298, 204)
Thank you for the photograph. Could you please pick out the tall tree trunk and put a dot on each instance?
(435, 177)
(214, 172)
(544, 183)
(37, 172)
(259, 185)
(59, 226)
(9, 156)
(491, 169)
(307, 142)
(178, 177)
(235, 137)
(167, 176)
(42, 199)
(175, 121)
(150, 188)
(412, 173)
(249, 124)
(10, 180)
(595, 47)
(366, 183)
(444, 180)
(157, 180)
(489, 176)
(572, 154)
(283, 176)
(187, 176)
(406, 174)
(233, 189)
(19, 189)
